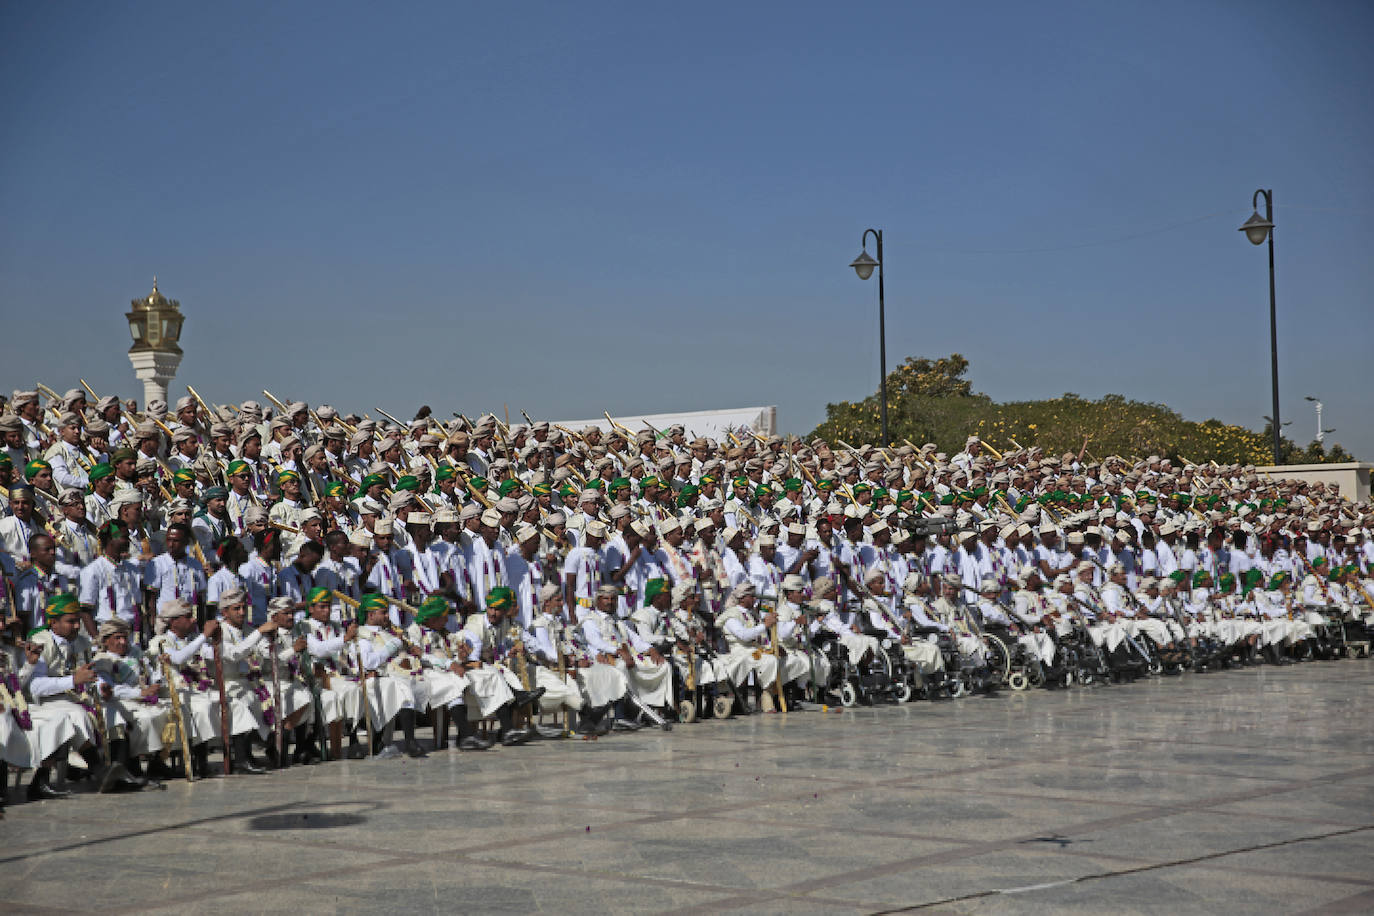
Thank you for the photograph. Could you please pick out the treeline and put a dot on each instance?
(932, 401)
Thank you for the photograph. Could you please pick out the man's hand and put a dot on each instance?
(298, 645)
(269, 627)
(351, 633)
(83, 675)
(211, 629)
(150, 692)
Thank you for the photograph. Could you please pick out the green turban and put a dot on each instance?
(1178, 576)
(317, 595)
(33, 467)
(505, 487)
(740, 482)
(862, 487)
(826, 484)
(368, 603)
(653, 588)
(407, 482)
(684, 496)
(904, 495)
(1199, 577)
(99, 472)
(59, 604)
(1226, 582)
(541, 489)
(617, 484)
(335, 488)
(445, 472)
(762, 490)
(1252, 579)
(1278, 580)
(650, 481)
(367, 483)
(596, 484)
(186, 475)
(567, 490)
(500, 598)
(1335, 574)
(237, 466)
(708, 478)
(284, 476)
(123, 454)
(791, 485)
(433, 607)
(880, 493)
(479, 484)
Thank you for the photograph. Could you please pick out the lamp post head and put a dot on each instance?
(155, 323)
(1256, 228)
(863, 265)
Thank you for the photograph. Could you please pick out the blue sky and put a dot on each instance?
(645, 207)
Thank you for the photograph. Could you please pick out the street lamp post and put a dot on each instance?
(155, 324)
(863, 266)
(1257, 229)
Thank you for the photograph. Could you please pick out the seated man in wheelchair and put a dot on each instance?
(802, 664)
(846, 625)
(920, 632)
(991, 613)
(973, 654)
(1036, 618)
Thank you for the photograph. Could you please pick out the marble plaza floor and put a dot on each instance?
(1235, 792)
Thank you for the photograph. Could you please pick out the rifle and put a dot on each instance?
(305, 663)
(223, 703)
(177, 716)
(278, 729)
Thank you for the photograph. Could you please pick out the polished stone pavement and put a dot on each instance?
(1246, 791)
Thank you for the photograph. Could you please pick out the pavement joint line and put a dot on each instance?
(1066, 830)
(1156, 866)
(1356, 903)
(1230, 869)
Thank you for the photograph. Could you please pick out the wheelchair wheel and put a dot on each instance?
(958, 687)
(1017, 680)
(686, 711)
(901, 691)
(999, 659)
(1035, 675)
(848, 695)
(721, 705)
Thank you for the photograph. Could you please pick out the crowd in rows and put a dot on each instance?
(302, 584)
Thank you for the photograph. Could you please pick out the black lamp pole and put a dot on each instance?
(1257, 229)
(863, 266)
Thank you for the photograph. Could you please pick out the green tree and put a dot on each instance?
(933, 401)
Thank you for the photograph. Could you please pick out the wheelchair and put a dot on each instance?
(856, 683)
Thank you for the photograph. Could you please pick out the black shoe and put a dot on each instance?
(355, 752)
(515, 736)
(624, 725)
(123, 784)
(472, 743)
(527, 696)
(546, 732)
(246, 765)
(157, 769)
(42, 792)
(413, 749)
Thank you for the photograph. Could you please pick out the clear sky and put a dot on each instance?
(651, 207)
